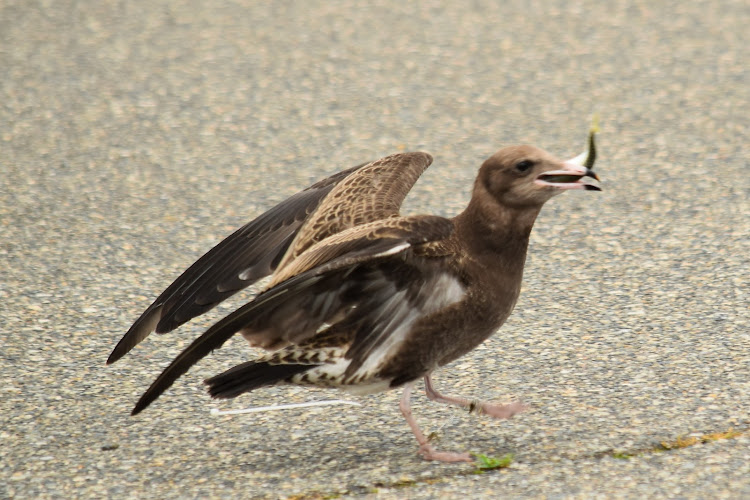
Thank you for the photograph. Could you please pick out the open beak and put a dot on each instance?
(572, 176)
(575, 170)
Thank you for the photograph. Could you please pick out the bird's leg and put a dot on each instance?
(493, 410)
(425, 448)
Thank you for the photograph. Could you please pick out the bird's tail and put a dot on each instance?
(249, 376)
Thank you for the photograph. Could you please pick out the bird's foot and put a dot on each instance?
(489, 409)
(429, 453)
(497, 410)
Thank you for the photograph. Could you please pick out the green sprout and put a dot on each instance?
(588, 157)
(591, 153)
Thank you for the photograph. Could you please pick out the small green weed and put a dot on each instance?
(485, 463)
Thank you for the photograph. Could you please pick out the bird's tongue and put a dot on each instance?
(570, 178)
(560, 178)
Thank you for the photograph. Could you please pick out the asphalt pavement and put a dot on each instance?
(136, 135)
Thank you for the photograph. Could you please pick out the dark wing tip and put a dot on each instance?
(212, 339)
(139, 407)
(141, 329)
(124, 346)
(161, 384)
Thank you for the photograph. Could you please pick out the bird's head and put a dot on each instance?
(526, 176)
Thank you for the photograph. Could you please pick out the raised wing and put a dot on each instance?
(341, 276)
(361, 194)
(247, 255)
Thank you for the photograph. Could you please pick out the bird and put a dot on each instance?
(362, 298)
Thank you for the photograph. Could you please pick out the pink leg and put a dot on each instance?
(492, 410)
(425, 449)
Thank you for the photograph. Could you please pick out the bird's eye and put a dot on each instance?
(524, 165)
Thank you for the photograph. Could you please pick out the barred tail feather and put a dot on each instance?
(249, 376)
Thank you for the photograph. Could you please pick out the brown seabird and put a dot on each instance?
(362, 298)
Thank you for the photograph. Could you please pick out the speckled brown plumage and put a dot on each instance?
(365, 299)
(375, 193)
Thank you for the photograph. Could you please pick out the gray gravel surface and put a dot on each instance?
(135, 135)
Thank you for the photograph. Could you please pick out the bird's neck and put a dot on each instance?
(496, 231)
